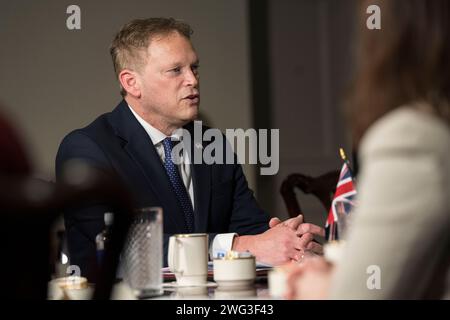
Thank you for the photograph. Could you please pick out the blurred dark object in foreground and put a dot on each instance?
(13, 159)
(28, 209)
(30, 206)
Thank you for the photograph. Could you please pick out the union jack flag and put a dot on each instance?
(343, 202)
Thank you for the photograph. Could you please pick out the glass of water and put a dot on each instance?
(143, 253)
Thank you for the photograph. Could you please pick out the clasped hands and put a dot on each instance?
(283, 242)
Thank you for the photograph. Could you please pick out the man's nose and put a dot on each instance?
(192, 78)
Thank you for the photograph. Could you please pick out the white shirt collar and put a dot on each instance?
(155, 135)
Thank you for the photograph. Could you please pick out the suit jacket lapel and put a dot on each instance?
(201, 178)
(142, 151)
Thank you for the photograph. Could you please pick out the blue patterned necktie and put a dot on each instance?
(178, 185)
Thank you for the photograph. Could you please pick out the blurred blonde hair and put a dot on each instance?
(405, 62)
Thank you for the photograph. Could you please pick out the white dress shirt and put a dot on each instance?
(222, 242)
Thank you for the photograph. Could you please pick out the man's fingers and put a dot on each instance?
(310, 228)
(294, 223)
(315, 247)
(273, 222)
(303, 241)
(297, 255)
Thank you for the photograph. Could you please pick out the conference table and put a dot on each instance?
(258, 290)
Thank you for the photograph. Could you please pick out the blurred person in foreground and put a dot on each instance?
(400, 118)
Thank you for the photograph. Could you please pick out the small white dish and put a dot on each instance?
(174, 284)
(235, 284)
(235, 271)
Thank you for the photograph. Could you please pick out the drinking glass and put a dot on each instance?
(143, 253)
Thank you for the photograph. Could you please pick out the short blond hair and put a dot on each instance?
(129, 45)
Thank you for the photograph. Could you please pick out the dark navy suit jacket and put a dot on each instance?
(116, 140)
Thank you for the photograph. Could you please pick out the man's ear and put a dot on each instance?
(128, 80)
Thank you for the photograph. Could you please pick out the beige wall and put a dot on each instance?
(311, 63)
(54, 80)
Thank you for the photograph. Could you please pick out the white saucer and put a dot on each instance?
(233, 284)
(174, 284)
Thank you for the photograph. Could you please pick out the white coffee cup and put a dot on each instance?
(70, 288)
(188, 258)
(235, 270)
(333, 251)
(277, 278)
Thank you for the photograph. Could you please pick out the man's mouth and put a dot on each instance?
(193, 98)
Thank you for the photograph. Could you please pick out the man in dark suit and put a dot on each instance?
(157, 68)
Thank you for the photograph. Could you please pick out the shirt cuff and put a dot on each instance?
(222, 243)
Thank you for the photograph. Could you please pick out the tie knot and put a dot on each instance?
(168, 143)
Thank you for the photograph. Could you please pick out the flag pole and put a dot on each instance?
(345, 159)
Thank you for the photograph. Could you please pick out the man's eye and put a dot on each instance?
(195, 68)
(176, 70)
